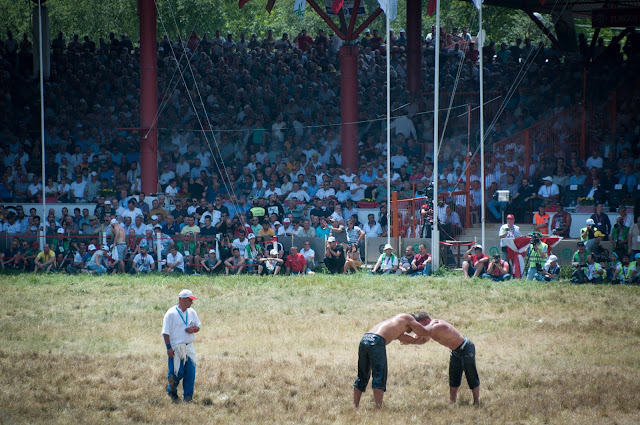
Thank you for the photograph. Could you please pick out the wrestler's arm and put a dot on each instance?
(406, 339)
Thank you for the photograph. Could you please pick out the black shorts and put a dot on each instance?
(463, 359)
(372, 359)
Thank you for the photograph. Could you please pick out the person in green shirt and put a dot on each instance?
(620, 237)
(538, 252)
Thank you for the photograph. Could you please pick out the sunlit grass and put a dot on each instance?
(284, 350)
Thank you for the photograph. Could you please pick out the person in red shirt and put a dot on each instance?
(304, 41)
(295, 262)
(474, 265)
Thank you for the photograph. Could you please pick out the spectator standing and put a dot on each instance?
(537, 256)
(179, 326)
(508, 231)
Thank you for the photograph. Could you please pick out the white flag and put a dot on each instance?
(298, 8)
(478, 3)
(390, 8)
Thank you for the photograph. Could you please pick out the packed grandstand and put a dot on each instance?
(252, 147)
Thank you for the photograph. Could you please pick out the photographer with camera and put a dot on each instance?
(589, 272)
(537, 256)
(620, 237)
(497, 270)
(588, 232)
(550, 271)
(580, 256)
(626, 272)
(594, 246)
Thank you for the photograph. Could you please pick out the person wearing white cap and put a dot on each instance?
(550, 271)
(179, 326)
(334, 258)
(588, 232)
(270, 264)
(97, 262)
(549, 192)
(387, 262)
(211, 263)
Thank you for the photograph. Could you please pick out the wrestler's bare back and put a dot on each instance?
(444, 333)
(118, 232)
(393, 328)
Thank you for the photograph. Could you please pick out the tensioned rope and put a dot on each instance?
(226, 181)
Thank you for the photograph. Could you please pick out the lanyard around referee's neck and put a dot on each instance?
(184, 319)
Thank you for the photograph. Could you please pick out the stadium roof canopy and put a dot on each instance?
(581, 8)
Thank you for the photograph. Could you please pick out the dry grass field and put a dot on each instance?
(284, 350)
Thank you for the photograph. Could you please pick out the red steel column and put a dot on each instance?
(349, 105)
(148, 96)
(414, 45)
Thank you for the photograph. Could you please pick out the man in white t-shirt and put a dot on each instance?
(508, 231)
(549, 191)
(78, 189)
(179, 326)
(175, 261)
(143, 262)
(309, 255)
(132, 211)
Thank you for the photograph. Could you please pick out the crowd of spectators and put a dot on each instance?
(273, 106)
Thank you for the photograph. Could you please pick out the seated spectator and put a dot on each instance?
(270, 264)
(474, 265)
(372, 228)
(550, 271)
(211, 263)
(353, 260)
(549, 193)
(589, 272)
(497, 269)
(235, 263)
(404, 266)
(295, 263)
(355, 235)
(45, 260)
(627, 219)
(310, 256)
(175, 261)
(421, 264)
(334, 257)
(387, 262)
(142, 262)
(306, 231)
(521, 202)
